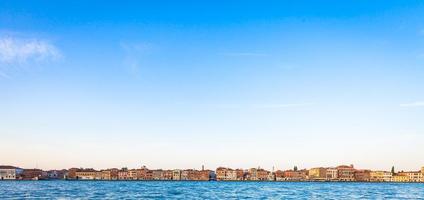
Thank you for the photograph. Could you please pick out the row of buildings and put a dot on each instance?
(142, 173)
(345, 173)
(8, 172)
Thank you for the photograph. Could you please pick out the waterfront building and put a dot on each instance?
(192, 174)
(416, 176)
(196, 175)
(149, 175)
(346, 173)
(221, 173)
(98, 175)
(279, 175)
(362, 175)
(231, 175)
(252, 174)
(56, 174)
(133, 174)
(212, 175)
(400, 178)
(239, 174)
(87, 174)
(380, 176)
(413, 176)
(422, 170)
(9, 172)
(331, 174)
(176, 175)
(298, 175)
(271, 176)
(114, 173)
(106, 175)
(109, 174)
(184, 175)
(33, 174)
(157, 174)
(318, 173)
(262, 174)
(167, 175)
(144, 173)
(83, 174)
(72, 173)
(204, 175)
(123, 174)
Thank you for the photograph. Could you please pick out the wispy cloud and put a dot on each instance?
(4, 75)
(413, 104)
(289, 105)
(133, 54)
(262, 106)
(15, 50)
(245, 54)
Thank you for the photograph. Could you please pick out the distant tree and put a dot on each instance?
(393, 170)
(295, 168)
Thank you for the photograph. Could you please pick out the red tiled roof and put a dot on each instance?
(7, 167)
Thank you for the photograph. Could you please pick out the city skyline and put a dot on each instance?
(340, 173)
(171, 84)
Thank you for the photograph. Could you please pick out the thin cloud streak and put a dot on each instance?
(290, 105)
(245, 54)
(18, 50)
(133, 54)
(4, 75)
(262, 106)
(414, 104)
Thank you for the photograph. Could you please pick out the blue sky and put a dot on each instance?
(242, 83)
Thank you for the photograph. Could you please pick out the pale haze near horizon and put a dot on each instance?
(183, 85)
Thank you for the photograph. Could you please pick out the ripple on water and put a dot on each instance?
(206, 190)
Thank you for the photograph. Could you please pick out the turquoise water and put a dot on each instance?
(206, 190)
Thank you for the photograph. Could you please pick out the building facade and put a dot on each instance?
(380, 176)
(298, 175)
(319, 173)
(87, 174)
(400, 178)
(252, 174)
(9, 172)
(362, 175)
(57, 174)
(262, 174)
(279, 175)
(33, 174)
(157, 174)
(331, 174)
(345, 173)
(220, 173)
(413, 176)
(176, 175)
(167, 175)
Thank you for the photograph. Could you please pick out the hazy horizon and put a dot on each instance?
(239, 84)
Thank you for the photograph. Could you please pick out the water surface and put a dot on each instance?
(206, 190)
